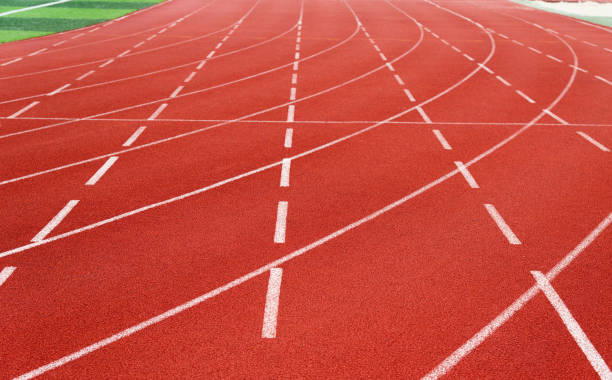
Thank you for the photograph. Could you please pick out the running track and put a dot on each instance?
(308, 189)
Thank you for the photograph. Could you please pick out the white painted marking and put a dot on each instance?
(291, 113)
(468, 57)
(297, 55)
(268, 330)
(107, 63)
(525, 96)
(503, 80)
(294, 78)
(603, 80)
(190, 77)
(218, 45)
(467, 175)
(375, 46)
(538, 26)
(151, 37)
(177, 91)
(298, 39)
(33, 7)
(295, 66)
(382, 56)
(570, 37)
(367, 34)
(78, 36)
(124, 53)
(12, 61)
(210, 54)
(158, 111)
(608, 50)
(224, 38)
(57, 219)
(390, 67)
(86, 75)
(445, 42)
(485, 68)
(201, 65)
(502, 35)
(578, 68)
(554, 116)
(423, 115)
(553, 58)
(297, 47)
(593, 141)
(293, 93)
(5, 274)
(162, 31)
(435, 35)
(589, 43)
(572, 326)
(288, 137)
(455, 48)
(94, 29)
(134, 136)
(281, 222)
(502, 225)
(37, 52)
(409, 95)
(24, 109)
(58, 90)
(59, 43)
(442, 140)
(139, 44)
(535, 50)
(399, 80)
(103, 169)
(286, 167)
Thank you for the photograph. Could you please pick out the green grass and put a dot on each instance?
(605, 21)
(58, 18)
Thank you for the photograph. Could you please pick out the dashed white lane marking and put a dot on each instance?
(139, 44)
(572, 326)
(124, 53)
(225, 38)
(455, 48)
(589, 43)
(268, 330)
(201, 64)
(295, 65)
(210, 54)
(190, 77)
(103, 169)
(518, 43)
(151, 37)
(445, 42)
(177, 91)
(375, 46)
(399, 80)
(608, 50)
(94, 29)
(59, 43)
(107, 63)
(291, 113)
(502, 35)
(288, 137)
(485, 68)
(423, 115)
(78, 36)
(281, 222)
(57, 219)
(502, 80)
(467, 175)
(409, 95)
(553, 58)
(158, 111)
(535, 50)
(12, 61)
(527, 98)
(554, 116)
(5, 274)
(603, 80)
(382, 56)
(570, 37)
(86, 75)
(218, 45)
(468, 57)
(578, 68)
(294, 77)
(58, 90)
(435, 35)
(293, 93)
(24, 109)
(37, 52)
(297, 55)
(502, 225)
(390, 67)
(134, 136)
(285, 170)
(297, 47)
(593, 141)
(162, 31)
(441, 139)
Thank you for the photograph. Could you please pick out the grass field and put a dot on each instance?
(60, 17)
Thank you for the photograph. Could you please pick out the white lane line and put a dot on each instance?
(441, 139)
(467, 175)
(288, 137)
(390, 67)
(37, 52)
(603, 80)
(535, 50)
(608, 50)
(176, 92)
(375, 46)
(553, 58)
(502, 225)
(210, 54)
(103, 169)
(158, 111)
(33, 7)
(190, 77)
(162, 31)
(485, 68)
(502, 35)
(268, 330)
(435, 35)
(291, 113)
(297, 55)
(86, 75)
(57, 219)
(382, 56)
(59, 43)
(572, 326)
(224, 38)
(94, 29)
(293, 93)
(201, 65)
(409, 95)
(521, 93)
(570, 37)
(281, 222)
(399, 80)
(593, 141)
(297, 47)
(502, 80)
(58, 89)
(218, 45)
(554, 116)
(578, 68)
(468, 57)
(445, 42)
(151, 37)
(423, 115)
(295, 66)
(5, 274)
(294, 77)
(285, 170)
(518, 43)
(107, 63)
(78, 36)
(139, 44)
(12, 61)
(455, 48)
(24, 109)
(589, 43)
(134, 136)
(124, 53)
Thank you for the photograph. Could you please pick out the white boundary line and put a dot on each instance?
(268, 329)
(33, 7)
(593, 141)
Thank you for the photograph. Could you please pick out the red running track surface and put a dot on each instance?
(308, 189)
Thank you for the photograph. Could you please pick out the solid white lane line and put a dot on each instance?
(534, 50)
(572, 326)
(467, 175)
(158, 111)
(281, 222)
(176, 92)
(268, 330)
(294, 77)
(399, 80)
(139, 44)
(59, 43)
(37, 52)
(210, 54)
(57, 219)
(293, 93)
(593, 141)
(578, 68)
(468, 57)
(502, 225)
(134, 136)
(190, 77)
(382, 56)
(288, 137)
(502, 80)
(423, 115)
(86, 75)
(201, 65)
(390, 67)
(5, 274)
(485, 68)
(527, 98)
(441, 139)
(553, 58)
(291, 113)
(409, 95)
(603, 80)
(285, 170)
(32, 7)
(107, 63)
(560, 120)
(58, 89)
(24, 109)
(124, 53)
(103, 169)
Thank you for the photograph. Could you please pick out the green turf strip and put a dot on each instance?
(606, 21)
(46, 24)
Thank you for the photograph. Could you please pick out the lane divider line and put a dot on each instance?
(553, 58)
(441, 139)
(467, 175)
(107, 62)
(37, 52)
(59, 43)
(281, 222)
(285, 169)
(554, 116)
(5, 274)
(57, 91)
(103, 169)
(268, 330)
(23, 110)
(177, 91)
(535, 50)
(502, 225)
(124, 53)
(57, 219)
(593, 141)
(158, 111)
(190, 77)
(134, 136)
(288, 137)
(527, 98)
(603, 80)
(502, 80)
(86, 75)
(291, 113)
(423, 115)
